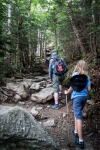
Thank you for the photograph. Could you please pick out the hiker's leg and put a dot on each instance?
(56, 86)
(60, 87)
(56, 91)
(79, 129)
(61, 79)
(75, 131)
(78, 105)
(56, 104)
(60, 91)
(56, 98)
(75, 125)
(79, 140)
(79, 121)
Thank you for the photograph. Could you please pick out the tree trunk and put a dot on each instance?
(75, 28)
(29, 35)
(96, 21)
(55, 38)
(8, 57)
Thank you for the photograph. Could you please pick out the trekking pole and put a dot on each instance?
(68, 129)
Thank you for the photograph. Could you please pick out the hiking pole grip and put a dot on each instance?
(67, 121)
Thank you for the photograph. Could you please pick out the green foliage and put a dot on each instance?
(52, 20)
(2, 35)
(66, 81)
(96, 60)
(96, 109)
(92, 93)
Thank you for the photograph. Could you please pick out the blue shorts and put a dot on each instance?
(57, 80)
(78, 105)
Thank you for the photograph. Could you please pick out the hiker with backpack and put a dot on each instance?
(57, 73)
(80, 85)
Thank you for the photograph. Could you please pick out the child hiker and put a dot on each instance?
(80, 85)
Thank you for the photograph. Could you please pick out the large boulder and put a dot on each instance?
(16, 124)
(43, 96)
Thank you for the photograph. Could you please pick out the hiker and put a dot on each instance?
(80, 85)
(57, 77)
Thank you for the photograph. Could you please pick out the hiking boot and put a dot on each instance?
(55, 106)
(60, 94)
(75, 134)
(79, 144)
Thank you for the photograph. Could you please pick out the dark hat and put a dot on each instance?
(78, 82)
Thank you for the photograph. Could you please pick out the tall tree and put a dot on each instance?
(29, 34)
(8, 55)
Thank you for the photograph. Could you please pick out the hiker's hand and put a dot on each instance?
(68, 91)
(65, 92)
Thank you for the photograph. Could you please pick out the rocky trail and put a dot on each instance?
(55, 122)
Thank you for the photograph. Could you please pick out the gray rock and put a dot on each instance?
(49, 123)
(44, 95)
(17, 124)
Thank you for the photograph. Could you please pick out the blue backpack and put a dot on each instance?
(58, 66)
